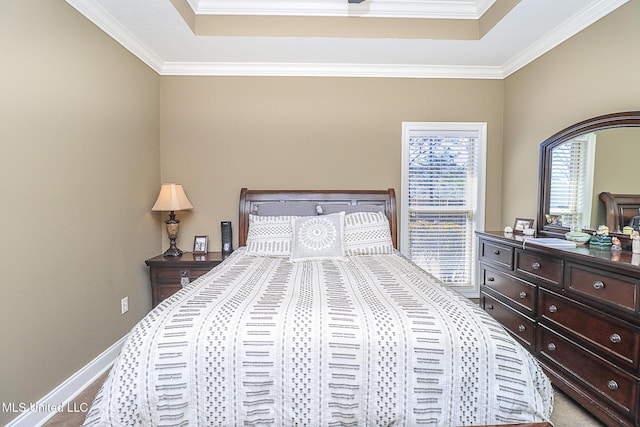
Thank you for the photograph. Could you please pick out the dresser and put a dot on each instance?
(169, 274)
(577, 310)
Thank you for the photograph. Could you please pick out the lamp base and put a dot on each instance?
(173, 250)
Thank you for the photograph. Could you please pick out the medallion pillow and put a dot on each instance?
(318, 238)
(269, 235)
(367, 233)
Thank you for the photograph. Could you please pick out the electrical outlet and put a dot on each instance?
(124, 305)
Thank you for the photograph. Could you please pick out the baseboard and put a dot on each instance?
(38, 413)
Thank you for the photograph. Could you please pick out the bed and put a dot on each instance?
(317, 320)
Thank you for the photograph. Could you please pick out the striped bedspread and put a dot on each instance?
(370, 341)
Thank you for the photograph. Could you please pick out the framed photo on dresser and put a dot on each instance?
(522, 224)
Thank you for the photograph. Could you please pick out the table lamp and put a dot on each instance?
(171, 199)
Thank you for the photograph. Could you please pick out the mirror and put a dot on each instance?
(582, 161)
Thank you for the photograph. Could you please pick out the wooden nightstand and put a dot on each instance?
(168, 274)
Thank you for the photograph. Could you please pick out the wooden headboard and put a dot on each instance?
(250, 198)
(619, 209)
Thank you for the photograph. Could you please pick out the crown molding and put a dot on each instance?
(330, 70)
(107, 23)
(101, 18)
(428, 9)
(562, 33)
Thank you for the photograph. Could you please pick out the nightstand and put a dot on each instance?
(169, 274)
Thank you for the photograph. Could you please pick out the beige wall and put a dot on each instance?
(89, 132)
(221, 134)
(593, 73)
(79, 170)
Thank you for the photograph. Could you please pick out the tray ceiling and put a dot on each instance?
(376, 38)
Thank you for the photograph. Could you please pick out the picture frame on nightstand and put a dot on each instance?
(200, 244)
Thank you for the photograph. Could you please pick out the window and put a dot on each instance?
(443, 199)
(572, 179)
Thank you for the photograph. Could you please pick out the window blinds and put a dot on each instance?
(569, 175)
(442, 171)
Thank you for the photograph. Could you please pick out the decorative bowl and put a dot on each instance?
(578, 237)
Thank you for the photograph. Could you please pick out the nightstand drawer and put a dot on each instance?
(512, 288)
(168, 274)
(518, 324)
(173, 274)
(606, 333)
(543, 267)
(496, 254)
(162, 292)
(610, 288)
(603, 379)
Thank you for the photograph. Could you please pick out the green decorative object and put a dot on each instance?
(600, 241)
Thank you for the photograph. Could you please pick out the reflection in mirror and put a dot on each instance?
(582, 161)
(586, 166)
(572, 182)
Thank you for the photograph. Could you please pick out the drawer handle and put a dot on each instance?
(615, 338)
(491, 279)
(523, 295)
(536, 266)
(488, 307)
(551, 347)
(553, 308)
(612, 385)
(522, 328)
(598, 285)
(496, 252)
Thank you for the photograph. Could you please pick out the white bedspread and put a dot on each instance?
(371, 341)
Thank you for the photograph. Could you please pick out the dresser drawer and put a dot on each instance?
(610, 288)
(512, 288)
(518, 324)
(604, 380)
(496, 253)
(544, 267)
(608, 334)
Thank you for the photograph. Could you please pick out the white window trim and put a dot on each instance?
(478, 224)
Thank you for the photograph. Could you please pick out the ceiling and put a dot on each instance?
(486, 39)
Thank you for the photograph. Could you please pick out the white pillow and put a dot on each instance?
(367, 233)
(269, 235)
(318, 237)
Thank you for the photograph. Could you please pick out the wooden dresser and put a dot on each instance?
(577, 310)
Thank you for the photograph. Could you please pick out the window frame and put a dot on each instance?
(410, 129)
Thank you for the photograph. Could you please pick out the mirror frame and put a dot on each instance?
(608, 121)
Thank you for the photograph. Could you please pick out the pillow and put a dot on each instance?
(318, 238)
(334, 208)
(367, 233)
(269, 235)
(300, 208)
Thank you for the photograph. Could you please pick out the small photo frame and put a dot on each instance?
(200, 244)
(553, 220)
(521, 224)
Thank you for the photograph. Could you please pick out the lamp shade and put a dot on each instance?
(172, 198)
